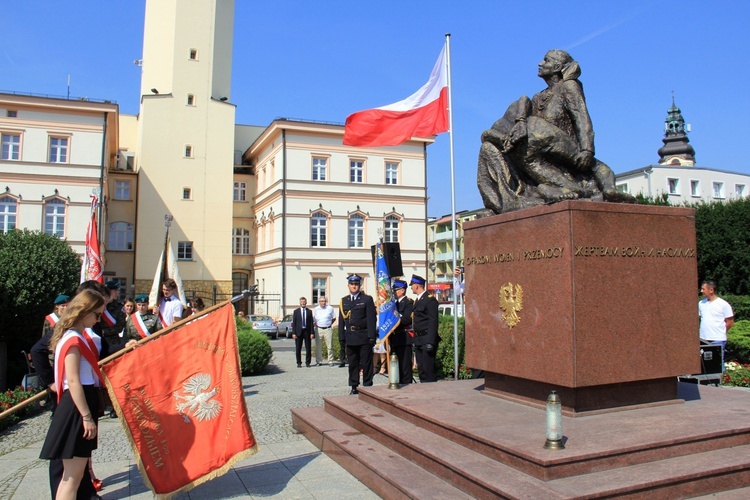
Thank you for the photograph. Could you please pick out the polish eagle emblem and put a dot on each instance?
(511, 301)
(198, 400)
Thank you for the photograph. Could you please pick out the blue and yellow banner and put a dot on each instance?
(388, 317)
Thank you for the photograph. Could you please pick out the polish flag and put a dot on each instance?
(92, 267)
(422, 114)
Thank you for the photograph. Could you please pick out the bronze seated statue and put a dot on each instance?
(542, 150)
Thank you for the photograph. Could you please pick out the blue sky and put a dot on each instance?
(324, 59)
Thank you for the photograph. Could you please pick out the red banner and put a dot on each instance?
(92, 267)
(182, 403)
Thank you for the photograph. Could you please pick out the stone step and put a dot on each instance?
(512, 433)
(472, 472)
(483, 477)
(379, 468)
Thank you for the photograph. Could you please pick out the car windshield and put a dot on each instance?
(288, 317)
(260, 318)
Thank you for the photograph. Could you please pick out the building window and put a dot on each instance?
(319, 169)
(718, 189)
(673, 186)
(54, 217)
(240, 191)
(356, 231)
(623, 188)
(695, 188)
(318, 230)
(356, 171)
(184, 250)
(318, 289)
(739, 190)
(8, 212)
(391, 173)
(58, 149)
(240, 241)
(12, 114)
(188, 151)
(391, 229)
(190, 100)
(187, 193)
(122, 190)
(121, 236)
(193, 54)
(11, 147)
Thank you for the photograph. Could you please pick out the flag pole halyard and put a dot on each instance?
(453, 200)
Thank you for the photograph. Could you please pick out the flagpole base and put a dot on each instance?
(394, 385)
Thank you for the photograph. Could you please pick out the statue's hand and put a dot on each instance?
(585, 160)
(517, 134)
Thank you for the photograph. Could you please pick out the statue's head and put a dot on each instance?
(559, 62)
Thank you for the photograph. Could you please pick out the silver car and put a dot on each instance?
(264, 324)
(285, 326)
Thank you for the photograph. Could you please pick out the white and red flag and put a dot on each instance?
(422, 114)
(92, 267)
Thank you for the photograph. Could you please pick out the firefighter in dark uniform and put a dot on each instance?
(401, 339)
(357, 328)
(425, 324)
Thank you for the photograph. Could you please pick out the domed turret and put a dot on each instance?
(676, 150)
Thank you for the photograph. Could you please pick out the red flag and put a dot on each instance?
(92, 268)
(422, 114)
(182, 403)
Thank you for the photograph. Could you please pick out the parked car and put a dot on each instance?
(264, 324)
(285, 326)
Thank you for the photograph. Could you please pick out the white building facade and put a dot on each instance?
(676, 176)
(319, 206)
(55, 155)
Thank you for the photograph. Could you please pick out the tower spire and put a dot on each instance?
(676, 150)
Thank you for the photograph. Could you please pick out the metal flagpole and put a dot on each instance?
(453, 202)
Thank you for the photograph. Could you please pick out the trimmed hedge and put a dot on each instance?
(740, 305)
(738, 342)
(255, 349)
(445, 358)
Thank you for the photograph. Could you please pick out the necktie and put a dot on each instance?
(302, 312)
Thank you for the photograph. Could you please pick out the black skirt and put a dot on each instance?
(65, 435)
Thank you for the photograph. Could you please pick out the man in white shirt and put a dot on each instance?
(716, 315)
(170, 307)
(324, 317)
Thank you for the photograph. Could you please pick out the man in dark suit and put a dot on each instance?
(425, 324)
(357, 328)
(401, 340)
(302, 330)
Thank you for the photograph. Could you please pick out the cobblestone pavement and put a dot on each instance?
(287, 465)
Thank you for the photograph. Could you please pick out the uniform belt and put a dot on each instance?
(357, 328)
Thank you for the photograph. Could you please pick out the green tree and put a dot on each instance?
(723, 241)
(34, 269)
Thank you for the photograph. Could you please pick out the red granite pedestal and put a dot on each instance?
(599, 303)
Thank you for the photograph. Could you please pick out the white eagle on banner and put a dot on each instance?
(198, 400)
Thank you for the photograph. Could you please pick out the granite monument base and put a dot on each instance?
(594, 300)
(448, 440)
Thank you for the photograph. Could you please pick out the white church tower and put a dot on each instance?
(185, 152)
